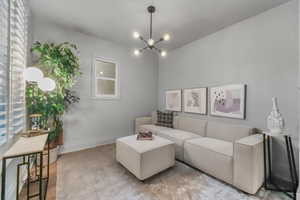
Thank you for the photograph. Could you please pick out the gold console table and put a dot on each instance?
(28, 148)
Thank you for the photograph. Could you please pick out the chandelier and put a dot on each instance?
(151, 43)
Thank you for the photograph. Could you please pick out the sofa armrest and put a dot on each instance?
(142, 121)
(248, 163)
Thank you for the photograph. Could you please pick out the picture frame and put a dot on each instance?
(195, 100)
(173, 100)
(228, 101)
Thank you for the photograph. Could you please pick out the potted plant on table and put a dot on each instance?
(60, 63)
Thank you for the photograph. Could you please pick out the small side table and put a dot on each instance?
(275, 184)
(27, 149)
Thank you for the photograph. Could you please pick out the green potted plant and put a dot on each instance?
(60, 63)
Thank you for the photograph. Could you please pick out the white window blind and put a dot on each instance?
(18, 37)
(4, 69)
(13, 45)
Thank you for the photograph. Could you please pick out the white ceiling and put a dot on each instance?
(115, 20)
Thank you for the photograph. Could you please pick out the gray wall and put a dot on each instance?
(93, 122)
(261, 52)
(298, 192)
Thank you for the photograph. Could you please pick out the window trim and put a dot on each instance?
(116, 96)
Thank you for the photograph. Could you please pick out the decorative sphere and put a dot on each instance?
(33, 74)
(47, 84)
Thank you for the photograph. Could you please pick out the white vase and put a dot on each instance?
(53, 156)
(275, 121)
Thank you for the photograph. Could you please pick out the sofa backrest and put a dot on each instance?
(227, 132)
(154, 117)
(189, 124)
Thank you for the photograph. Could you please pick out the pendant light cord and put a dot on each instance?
(152, 4)
(150, 25)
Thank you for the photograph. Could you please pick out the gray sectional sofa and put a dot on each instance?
(231, 153)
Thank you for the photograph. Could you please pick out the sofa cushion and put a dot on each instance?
(178, 137)
(165, 119)
(153, 128)
(227, 132)
(218, 146)
(212, 156)
(189, 124)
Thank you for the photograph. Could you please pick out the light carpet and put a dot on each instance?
(93, 174)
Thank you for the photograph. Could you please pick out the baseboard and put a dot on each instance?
(73, 148)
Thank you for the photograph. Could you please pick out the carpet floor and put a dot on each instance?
(93, 174)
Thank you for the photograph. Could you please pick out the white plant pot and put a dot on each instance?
(53, 154)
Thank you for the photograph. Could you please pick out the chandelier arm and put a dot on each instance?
(146, 47)
(157, 49)
(158, 41)
(141, 38)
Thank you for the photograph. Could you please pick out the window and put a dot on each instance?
(4, 69)
(106, 79)
(13, 45)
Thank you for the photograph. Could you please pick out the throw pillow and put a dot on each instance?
(165, 119)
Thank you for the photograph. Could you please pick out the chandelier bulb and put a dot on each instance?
(166, 37)
(137, 52)
(136, 35)
(151, 42)
(163, 53)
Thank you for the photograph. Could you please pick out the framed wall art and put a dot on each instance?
(173, 100)
(195, 100)
(228, 101)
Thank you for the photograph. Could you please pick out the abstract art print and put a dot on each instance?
(195, 100)
(173, 100)
(228, 101)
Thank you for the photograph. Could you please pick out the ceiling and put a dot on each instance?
(115, 20)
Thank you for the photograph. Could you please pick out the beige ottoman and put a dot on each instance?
(145, 158)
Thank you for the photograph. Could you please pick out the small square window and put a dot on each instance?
(105, 69)
(105, 87)
(106, 79)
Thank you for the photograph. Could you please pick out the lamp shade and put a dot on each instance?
(47, 84)
(33, 74)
